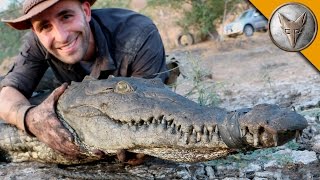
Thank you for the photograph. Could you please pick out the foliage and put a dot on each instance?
(205, 92)
(10, 39)
(202, 15)
(112, 3)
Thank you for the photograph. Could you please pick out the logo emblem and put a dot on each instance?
(292, 27)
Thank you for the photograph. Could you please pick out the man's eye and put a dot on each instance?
(66, 16)
(44, 27)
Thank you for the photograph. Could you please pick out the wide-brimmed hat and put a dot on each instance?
(31, 8)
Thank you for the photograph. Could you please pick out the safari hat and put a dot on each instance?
(31, 8)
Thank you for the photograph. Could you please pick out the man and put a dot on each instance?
(74, 41)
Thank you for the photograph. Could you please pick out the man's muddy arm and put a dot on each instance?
(13, 106)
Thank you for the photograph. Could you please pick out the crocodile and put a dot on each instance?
(145, 116)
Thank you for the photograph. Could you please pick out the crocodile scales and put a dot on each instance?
(144, 116)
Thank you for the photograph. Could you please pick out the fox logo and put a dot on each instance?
(292, 28)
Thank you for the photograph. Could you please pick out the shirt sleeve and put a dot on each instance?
(28, 68)
(150, 59)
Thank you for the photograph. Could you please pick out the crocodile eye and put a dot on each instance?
(123, 87)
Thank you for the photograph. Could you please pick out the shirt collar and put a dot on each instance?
(103, 60)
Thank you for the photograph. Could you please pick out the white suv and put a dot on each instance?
(247, 23)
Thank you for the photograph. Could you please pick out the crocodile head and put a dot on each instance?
(142, 115)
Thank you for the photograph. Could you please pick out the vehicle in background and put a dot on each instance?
(247, 23)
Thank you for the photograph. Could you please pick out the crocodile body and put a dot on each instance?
(144, 116)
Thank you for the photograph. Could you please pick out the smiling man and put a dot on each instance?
(74, 41)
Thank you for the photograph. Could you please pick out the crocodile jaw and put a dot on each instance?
(268, 125)
(157, 138)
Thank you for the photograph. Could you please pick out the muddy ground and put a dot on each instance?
(235, 73)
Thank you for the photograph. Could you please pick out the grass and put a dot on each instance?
(266, 78)
(202, 92)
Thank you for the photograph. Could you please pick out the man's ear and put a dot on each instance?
(87, 10)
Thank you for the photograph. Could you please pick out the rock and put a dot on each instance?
(272, 163)
(268, 175)
(252, 168)
(304, 157)
(316, 144)
(225, 167)
(183, 172)
(283, 152)
(197, 171)
(249, 170)
(308, 176)
(258, 178)
(210, 172)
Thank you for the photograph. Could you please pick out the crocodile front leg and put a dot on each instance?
(262, 126)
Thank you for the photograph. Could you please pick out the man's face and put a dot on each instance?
(64, 30)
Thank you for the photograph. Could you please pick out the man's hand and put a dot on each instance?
(42, 122)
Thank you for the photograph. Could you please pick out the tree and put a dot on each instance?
(10, 39)
(201, 16)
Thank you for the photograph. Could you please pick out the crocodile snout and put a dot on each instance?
(268, 125)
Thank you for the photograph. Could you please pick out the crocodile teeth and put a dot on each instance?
(243, 132)
(185, 138)
(131, 123)
(206, 134)
(215, 137)
(210, 129)
(255, 139)
(198, 137)
(205, 131)
(193, 137)
(216, 130)
(194, 131)
(275, 139)
(298, 135)
(154, 121)
(170, 122)
(210, 135)
(164, 124)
